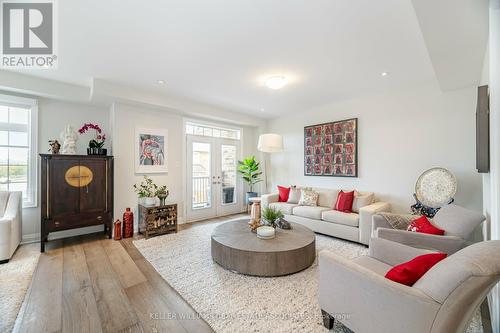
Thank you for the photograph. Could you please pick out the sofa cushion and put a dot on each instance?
(327, 198)
(362, 199)
(423, 225)
(308, 198)
(294, 195)
(373, 264)
(457, 221)
(350, 219)
(411, 271)
(344, 202)
(309, 211)
(284, 192)
(285, 207)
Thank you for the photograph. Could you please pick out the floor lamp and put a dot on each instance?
(269, 143)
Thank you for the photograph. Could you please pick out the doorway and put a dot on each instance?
(213, 188)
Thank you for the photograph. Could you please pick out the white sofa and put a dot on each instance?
(10, 223)
(355, 226)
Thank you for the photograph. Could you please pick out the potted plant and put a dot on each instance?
(271, 215)
(146, 190)
(96, 144)
(249, 169)
(162, 194)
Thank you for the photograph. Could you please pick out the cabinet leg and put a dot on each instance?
(42, 245)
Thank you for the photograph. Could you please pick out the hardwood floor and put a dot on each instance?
(93, 284)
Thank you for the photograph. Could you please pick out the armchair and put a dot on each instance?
(458, 223)
(10, 224)
(356, 293)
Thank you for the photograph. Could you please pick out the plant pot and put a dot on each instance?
(149, 201)
(97, 151)
(249, 195)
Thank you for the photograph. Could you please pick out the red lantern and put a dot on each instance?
(128, 223)
(118, 230)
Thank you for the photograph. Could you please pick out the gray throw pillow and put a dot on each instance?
(457, 221)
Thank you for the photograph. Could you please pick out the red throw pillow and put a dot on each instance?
(409, 272)
(284, 192)
(344, 202)
(423, 225)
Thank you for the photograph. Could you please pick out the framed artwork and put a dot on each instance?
(331, 149)
(150, 150)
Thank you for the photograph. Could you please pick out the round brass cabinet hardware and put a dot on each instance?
(78, 176)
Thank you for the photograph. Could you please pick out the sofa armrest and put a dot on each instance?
(14, 205)
(365, 219)
(446, 244)
(266, 199)
(361, 308)
(393, 253)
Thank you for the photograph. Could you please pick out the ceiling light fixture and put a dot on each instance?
(161, 82)
(384, 73)
(261, 109)
(276, 82)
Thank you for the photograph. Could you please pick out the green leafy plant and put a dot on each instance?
(249, 169)
(161, 191)
(146, 188)
(270, 215)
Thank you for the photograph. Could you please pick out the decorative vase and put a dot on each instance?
(118, 230)
(97, 151)
(149, 201)
(162, 196)
(128, 223)
(249, 195)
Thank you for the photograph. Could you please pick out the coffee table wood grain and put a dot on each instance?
(236, 248)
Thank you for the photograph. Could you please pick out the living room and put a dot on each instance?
(237, 166)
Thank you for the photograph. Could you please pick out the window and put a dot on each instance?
(18, 167)
(215, 132)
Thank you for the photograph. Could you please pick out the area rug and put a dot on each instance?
(15, 278)
(231, 302)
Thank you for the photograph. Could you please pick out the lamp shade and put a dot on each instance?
(270, 143)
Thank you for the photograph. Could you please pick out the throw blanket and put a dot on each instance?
(399, 221)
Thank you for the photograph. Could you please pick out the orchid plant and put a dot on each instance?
(99, 138)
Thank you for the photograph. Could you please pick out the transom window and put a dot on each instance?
(213, 131)
(17, 156)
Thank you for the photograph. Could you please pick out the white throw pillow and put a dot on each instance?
(308, 198)
(294, 195)
(361, 200)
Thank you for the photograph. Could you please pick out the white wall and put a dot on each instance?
(399, 137)
(53, 116)
(125, 118)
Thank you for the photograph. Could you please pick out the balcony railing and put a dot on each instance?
(201, 192)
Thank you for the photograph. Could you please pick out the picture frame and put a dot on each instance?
(150, 153)
(331, 149)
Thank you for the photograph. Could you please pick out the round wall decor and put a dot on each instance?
(436, 187)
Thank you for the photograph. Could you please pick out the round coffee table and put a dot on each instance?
(236, 248)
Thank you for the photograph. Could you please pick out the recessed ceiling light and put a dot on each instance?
(276, 82)
(384, 73)
(161, 82)
(261, 109)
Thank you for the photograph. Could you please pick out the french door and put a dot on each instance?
(213, 188)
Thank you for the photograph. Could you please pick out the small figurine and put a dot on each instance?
(254, 224)
(69, 138)
(54, 147)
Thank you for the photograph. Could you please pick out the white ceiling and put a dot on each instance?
(218, 51)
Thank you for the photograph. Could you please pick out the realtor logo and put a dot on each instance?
(28, 31)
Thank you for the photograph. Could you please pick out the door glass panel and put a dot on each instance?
(228, 173)
(202, 189)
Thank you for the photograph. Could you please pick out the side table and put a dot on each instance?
(255, 212)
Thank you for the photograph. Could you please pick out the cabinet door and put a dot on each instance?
(93, 196)
(63, 197)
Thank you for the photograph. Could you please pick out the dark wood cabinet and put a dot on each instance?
(77, 191)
